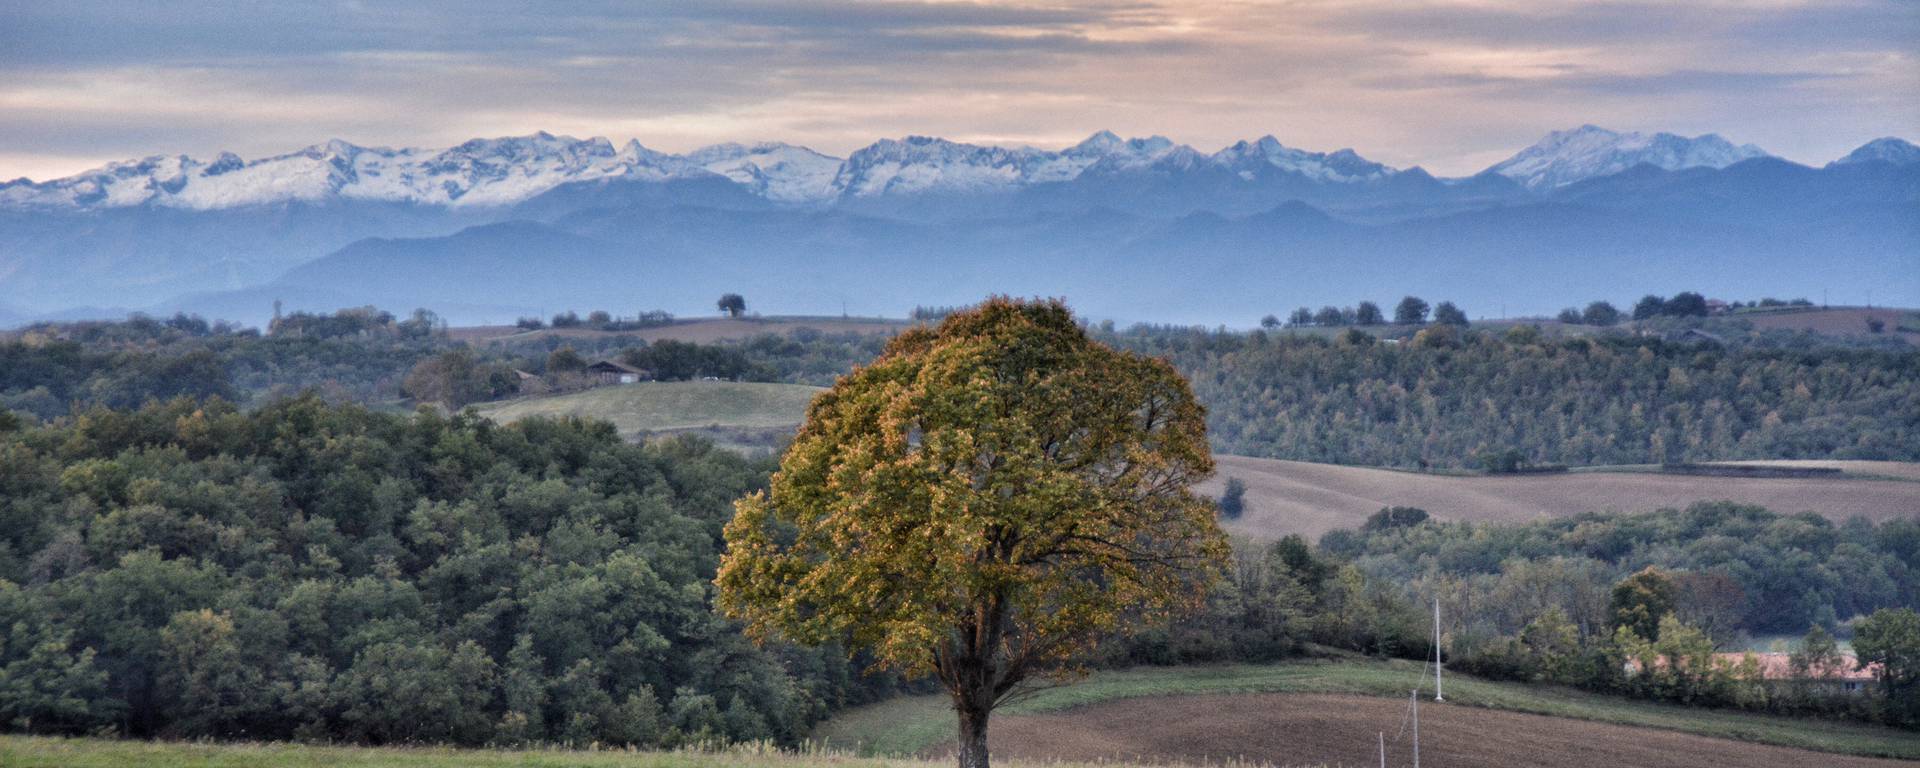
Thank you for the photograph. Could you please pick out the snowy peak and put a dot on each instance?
(1251, 160)
(1565, 157)
(779, 172)
(1883, 150)
(481, 172)
(919, 164)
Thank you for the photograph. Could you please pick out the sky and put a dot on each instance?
(1451, 85)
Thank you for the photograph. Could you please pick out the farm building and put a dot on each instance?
(1846, 676)
(1774, 667)
(616, 372)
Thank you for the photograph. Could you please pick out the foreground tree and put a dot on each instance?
(982, 504)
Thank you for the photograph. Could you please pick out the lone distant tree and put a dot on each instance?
(733, 304)
(1600, 313)
(1233, 502)
(1891, 639)
(1368, 313)
(1448, 314)
(1687, 304)
(983, 503)
(565, 360)
(1649, 306)
(1329, 316)
(1270, 322)
(1411, 311)
(1570, 316)
(1641, 600)
(1300, 318)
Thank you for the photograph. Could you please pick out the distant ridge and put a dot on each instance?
(500, 172)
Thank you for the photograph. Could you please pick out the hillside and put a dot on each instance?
(1314, 712)
(1902, 324)
(1286, 497)
(698, 331)
(1342, 730)
(666, 406)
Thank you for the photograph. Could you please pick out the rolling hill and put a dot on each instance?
(1324, 712)
(1286, 497)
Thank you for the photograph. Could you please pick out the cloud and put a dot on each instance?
(1443, 84)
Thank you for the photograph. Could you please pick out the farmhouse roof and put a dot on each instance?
(613, 366)
(1779, 666)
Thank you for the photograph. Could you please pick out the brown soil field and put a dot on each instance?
(1844, 321)
(700, 331)
(1285, 497)
(1314, 729)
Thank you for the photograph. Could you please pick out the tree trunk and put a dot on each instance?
(973, 737)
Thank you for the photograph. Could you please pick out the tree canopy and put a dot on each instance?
(982, 504)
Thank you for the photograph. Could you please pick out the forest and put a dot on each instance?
(1444, 398)
(305, 570)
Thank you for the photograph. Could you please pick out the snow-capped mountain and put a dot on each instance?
(481, 172)
(1885, 150)
(1249, 159)
(499, 173)
(919, 164)
(779, 172)
(1565, 157)
(922, 164)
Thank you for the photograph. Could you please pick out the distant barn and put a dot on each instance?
(616, 372)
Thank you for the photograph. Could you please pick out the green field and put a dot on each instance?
(46, 752)
(910, 724)
(670, 406)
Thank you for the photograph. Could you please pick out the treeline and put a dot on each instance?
(310, 571)
(1641, 603)
(1635, 604)
(1411, 310)
(600, 320)
(1447, 397)
(360, 355)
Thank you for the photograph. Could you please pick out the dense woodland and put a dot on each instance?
(303, 570)
(1444, 398)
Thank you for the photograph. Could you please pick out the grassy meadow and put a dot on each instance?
(666, 406)
(911, 724)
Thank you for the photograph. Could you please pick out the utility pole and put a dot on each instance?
(1436, 650)
(1416, 729)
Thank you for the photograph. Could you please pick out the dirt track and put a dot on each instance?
(1298, 497)
(1301, 729)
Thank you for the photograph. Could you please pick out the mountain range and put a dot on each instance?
(497, 227)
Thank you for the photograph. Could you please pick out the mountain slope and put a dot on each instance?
(1566, 157)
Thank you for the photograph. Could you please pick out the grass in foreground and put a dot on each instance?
(50, 752)
(636, 409)
(911, 724)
